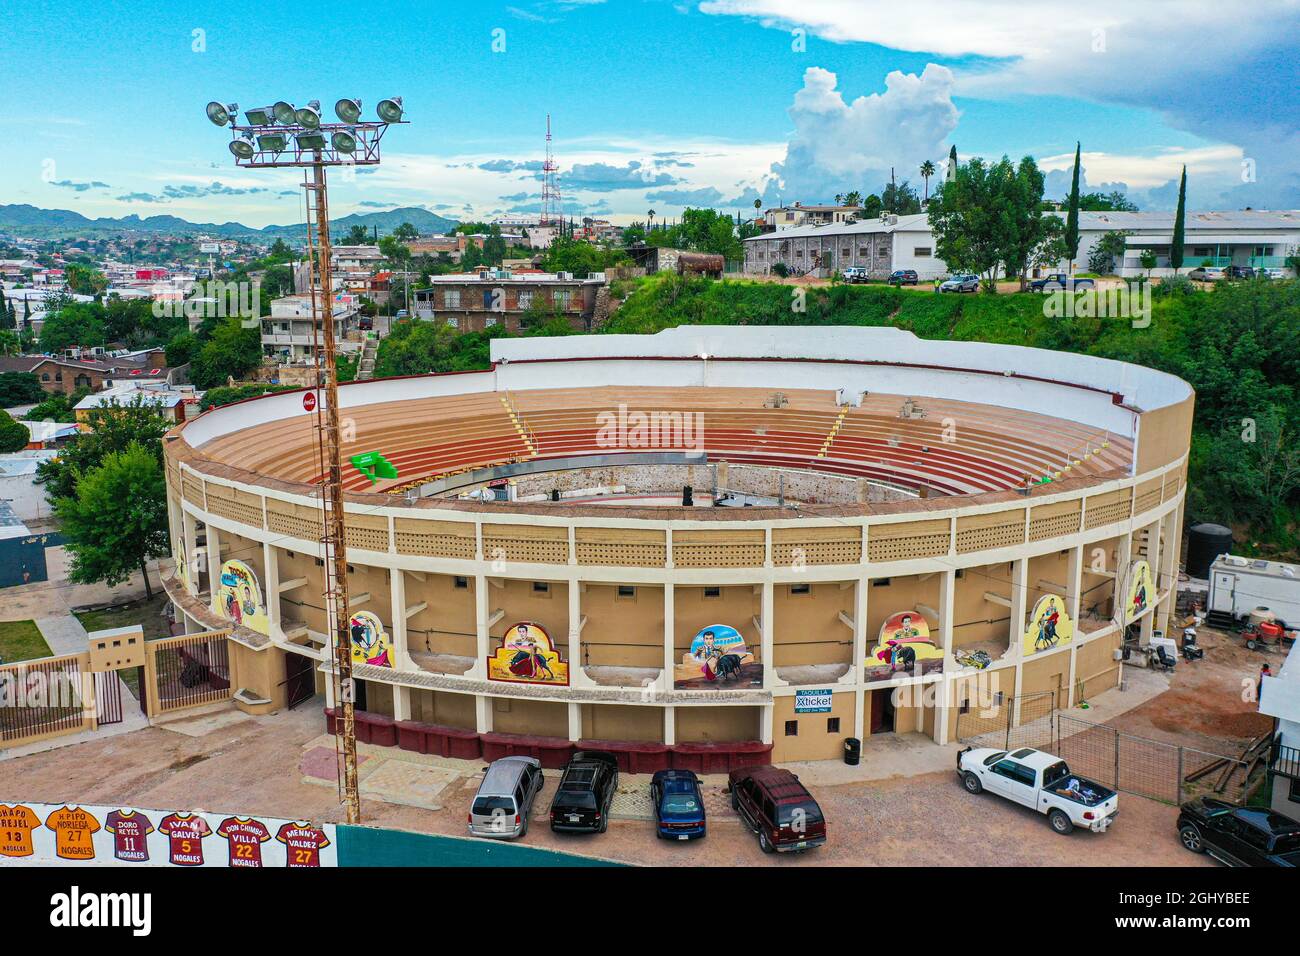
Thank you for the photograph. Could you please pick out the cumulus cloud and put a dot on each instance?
(838, 146)
(1225, 77)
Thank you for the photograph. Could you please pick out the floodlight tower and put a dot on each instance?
(278, 136)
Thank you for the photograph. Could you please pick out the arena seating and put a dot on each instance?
(947, 447)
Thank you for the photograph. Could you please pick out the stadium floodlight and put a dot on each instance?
(344, 141)
(221, 114)
(390, 110)
(309, 116)
(284, 113)
(349, 111)
(262, 116)
(310, 140)
(242, 147)
(272, 142)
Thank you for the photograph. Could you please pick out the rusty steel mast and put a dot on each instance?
(277, 136)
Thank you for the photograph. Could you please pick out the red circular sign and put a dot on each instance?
(309, 401)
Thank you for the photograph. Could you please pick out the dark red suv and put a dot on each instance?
(778, 808)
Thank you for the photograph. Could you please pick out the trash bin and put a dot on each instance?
(852, 751)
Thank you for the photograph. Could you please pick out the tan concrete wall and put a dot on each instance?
(814, 741)
(717, 724)
(447, 625)
(976, 620)
(379, 697)
(1050, 673)
(538, 717)
(808, 629)
(619, 722)
(623, 631)
(305, 603)
(518, 600)
(1164, 434)
(261, 672)
(440, 707)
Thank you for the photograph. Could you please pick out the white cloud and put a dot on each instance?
(1145, 171)
(838, 146)
(1224, 74)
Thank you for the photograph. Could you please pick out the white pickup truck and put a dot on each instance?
(1042, 782)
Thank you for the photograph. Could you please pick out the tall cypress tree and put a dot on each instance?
(1176, 246)
(1072, 217)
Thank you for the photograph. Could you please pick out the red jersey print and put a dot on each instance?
(303, 843)
(186, 832)
(130, 828)
(245, 837)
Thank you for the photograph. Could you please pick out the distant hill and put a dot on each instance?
(34, 221)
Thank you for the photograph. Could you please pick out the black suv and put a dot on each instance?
(587, 787)
(1239, 836)
(903, 277)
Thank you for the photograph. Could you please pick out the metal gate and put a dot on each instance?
(299, 679)
(1008, 722)
(108, 698)
(190, 670)
(42, 697)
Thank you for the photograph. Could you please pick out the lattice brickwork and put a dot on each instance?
(192, 489)
(530, 544)
(236, 505)
(791, 546)
(1042, 527)
(368, 532)
(622, 547)
(718, 549)
(435, 539)
(295, 521)
(1006, 534)
(1172, 483)
(1107, 509)
(901, 542)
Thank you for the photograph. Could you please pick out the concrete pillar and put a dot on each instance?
(765, 723)
(670, 725)
(401, 702)
(666, 679)
(575, 722)
(271, 572)
(483, 714)
(189, 530)
(214, 568)
(767, 619)
(398, 604)
(1019, 599)
(947, 599)
(577, 675)
(857, 662)
(479, 669)
(859, 710)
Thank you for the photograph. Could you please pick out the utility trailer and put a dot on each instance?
(1239, 586)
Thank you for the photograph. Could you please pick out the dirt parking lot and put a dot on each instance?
(251, 765)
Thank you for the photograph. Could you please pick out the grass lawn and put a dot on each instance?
(148, 614)
(22, 641)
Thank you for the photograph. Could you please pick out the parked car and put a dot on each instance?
(960, 283)
(856, 274)
(1042, 782)
(678, 803)
(1241, 272)
(1057, 281)
(903, 277)
(778, 808)
(1207, 274)
(505, 798)
(1271, 272)
(587, 787)
(1239, 836)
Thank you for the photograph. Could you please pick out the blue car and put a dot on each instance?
(679, 805)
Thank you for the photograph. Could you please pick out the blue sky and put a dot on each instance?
(654, 103)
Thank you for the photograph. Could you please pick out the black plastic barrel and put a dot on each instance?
(1205, 542)
(852, 751)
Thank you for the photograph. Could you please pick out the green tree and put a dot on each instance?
(1072, 216)
(113, 426)
(14, 436)
(20, 388)
(358, 235)
(1108, 250)
(900, 199)
(181, 349)
(232, 352)
(1180, 226)
(1147, 259)
(84, 280)
(406, 232)
(76, 323)
(117, 520)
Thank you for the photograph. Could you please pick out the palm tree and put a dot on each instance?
(927, 170)
(651, 215)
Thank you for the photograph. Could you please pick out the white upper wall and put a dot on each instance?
(885, 360)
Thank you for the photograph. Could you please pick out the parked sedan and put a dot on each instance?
(1207, 274)
(903, 277)
(679, 805)
(1239, 836)
(960, 283)
(1241, 272)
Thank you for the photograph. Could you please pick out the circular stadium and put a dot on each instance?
(704, 548)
